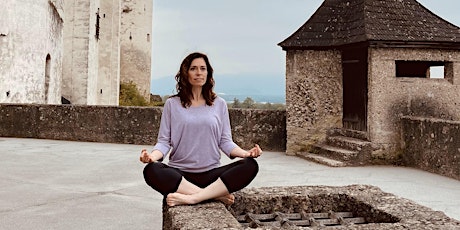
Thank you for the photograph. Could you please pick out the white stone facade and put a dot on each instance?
(73, 49)
(136, 43)
(31, 35)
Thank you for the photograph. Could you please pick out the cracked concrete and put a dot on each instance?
(48, 184)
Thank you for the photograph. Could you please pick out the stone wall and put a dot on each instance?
(432, 145)
(392, 97)
(313, 96)
(131, 125)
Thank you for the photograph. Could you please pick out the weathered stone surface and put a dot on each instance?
(103, 46)
(31, 33)
(381, 210)
(392, 97)
(212, 215)
(313, 97)
(264, 127)
(136, 44)
(432, 145)
(131, 125)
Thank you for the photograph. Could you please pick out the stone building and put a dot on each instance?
(31, 34)
(106, 42)
(356, 67)
(74, 51)
(136, 44)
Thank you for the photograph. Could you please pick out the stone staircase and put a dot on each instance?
(341, 148)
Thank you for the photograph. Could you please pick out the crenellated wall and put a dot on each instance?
(130, 125)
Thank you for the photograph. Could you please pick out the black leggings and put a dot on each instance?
(235, 176)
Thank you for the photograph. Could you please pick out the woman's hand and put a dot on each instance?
(145, 157)
(255, 152)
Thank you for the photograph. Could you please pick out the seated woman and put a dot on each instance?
(195, 129)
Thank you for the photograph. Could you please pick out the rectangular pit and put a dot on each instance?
(309, 207)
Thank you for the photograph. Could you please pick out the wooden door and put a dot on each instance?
(355, 70)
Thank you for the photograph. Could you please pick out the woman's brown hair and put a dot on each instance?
(183, 86)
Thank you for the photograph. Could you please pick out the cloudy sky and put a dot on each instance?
(239, 36)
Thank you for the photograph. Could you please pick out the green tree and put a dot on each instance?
(267, 105)
(130, 96)
(248, 103)
(236, 103)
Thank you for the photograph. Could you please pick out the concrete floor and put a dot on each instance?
(48, 184)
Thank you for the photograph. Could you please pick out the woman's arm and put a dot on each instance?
(162, 146)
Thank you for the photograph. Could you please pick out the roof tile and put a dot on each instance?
(342, 22)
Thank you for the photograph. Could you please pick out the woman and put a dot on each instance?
(194, 128)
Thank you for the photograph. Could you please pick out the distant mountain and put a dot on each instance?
(163, 86)
(262, 88)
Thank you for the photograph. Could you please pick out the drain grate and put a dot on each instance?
(303, 219)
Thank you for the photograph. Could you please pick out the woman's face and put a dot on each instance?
(197, 73)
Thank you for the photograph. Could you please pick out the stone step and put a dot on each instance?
(347, 142)
(334, 152)
(348, 133)
(321, 159)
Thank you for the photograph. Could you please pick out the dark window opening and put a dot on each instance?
(98, 17)
(420, 69)
(47, 76)
(148, 37)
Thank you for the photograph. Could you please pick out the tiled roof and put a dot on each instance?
(343, 22)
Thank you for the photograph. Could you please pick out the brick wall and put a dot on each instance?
(432, 145)
(128, 125)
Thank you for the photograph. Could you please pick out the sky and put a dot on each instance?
(240, 36)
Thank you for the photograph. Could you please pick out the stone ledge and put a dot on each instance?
(381, 210)
(129, 125)
(211, 215)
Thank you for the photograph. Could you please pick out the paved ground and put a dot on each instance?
(47, 184)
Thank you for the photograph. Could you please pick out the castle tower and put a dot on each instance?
(31, 51)
(135, 44)
(106, 41)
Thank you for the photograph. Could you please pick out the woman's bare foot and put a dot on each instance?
(174, 199)
(227, 199)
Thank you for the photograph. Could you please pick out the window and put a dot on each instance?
(98, 18)
(420, 69)
(47, 76)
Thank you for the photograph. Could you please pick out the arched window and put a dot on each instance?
(47, 76)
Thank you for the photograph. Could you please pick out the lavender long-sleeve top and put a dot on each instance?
(195, 134)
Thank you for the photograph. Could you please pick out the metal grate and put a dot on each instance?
(279, 219)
